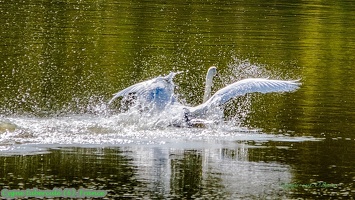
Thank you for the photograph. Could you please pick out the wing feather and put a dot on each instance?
(241, 88)
(143, 89)
(251, 85)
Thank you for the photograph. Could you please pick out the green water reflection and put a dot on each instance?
(62, 57)
(136, 172)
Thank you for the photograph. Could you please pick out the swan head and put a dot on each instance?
(212, 71)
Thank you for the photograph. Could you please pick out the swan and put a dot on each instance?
(159, 92)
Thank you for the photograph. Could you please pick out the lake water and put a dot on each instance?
(61, 61)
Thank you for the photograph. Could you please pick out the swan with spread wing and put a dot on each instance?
(159, 92)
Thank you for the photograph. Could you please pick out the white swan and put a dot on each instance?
(160, 92)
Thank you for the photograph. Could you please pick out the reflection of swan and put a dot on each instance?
(160, 91)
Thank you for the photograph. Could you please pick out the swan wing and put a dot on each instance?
(138, 89)
(156, 86)
(243, 87)
(251, 85)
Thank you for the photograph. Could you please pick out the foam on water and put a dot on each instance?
(33, 134)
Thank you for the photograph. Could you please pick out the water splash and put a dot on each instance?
(132, 128)
(89, 121)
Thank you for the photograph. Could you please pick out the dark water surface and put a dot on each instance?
(60, 62)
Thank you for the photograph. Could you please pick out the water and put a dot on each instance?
(61, 62)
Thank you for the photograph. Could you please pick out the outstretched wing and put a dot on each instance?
(243, 87)
(161, 86)
(138, 89)
(251, 85)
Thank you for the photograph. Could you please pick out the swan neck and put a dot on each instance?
(208, 85)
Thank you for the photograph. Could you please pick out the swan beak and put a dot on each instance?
(218, 76)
